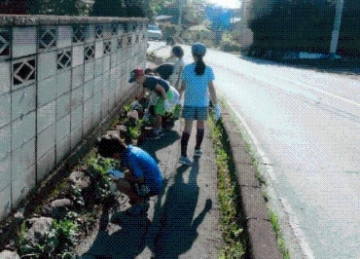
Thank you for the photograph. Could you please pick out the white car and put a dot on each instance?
(154, 32)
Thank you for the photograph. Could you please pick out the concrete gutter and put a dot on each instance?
(261, 235)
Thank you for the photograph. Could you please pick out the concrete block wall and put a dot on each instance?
(59, 77)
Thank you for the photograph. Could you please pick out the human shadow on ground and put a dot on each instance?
(125, 239)
(173, 229)
(153, 145)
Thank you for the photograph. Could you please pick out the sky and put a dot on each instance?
(226, 3)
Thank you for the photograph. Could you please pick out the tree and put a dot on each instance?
(109, 8)
(14, 6)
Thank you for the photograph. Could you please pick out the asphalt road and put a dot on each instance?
(305, 126)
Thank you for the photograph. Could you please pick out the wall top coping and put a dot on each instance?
(33, 20)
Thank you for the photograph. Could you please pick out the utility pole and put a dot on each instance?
(180, 17)
(336, 30)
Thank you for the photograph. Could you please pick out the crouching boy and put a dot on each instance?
(144, 178)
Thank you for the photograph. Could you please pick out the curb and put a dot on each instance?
(261, 235)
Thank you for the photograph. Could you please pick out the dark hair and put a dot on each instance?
(108, 145)
(200, 66)
(148, 71)
(178, 51)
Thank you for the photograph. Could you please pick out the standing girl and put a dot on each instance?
(197, 82)
(177, 52)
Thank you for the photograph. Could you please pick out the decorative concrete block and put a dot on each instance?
(5, 172)
(46, 116)
(88, 108)
(5, 109)
(88, 90)
(46, 164)
(111, 102)
(113, 60)
(23, 159)
(47, 65)
(97, 117)
(99, 49)
(90, 33)
(24, 41)
(106, 80)
(47, 90)
(89, 70)
(104, 107)
(98, 83)
(23, 130)
(118, 90)
(5, 75)
(88, 125)
(76, 117)
(5, 202)
(63, 106)
(23, 72)
(77, 97)
(97, 102)
(78, 76)
(46, 140)
(76, 137)
(99, 66)
(5, 141)
(106, 63)
(64, 36)
(63, 148)
(62, 128)
(78, 55)
(22, 185)
(63, 82)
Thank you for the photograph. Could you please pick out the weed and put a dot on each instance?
(230, 222)
(280, 240)
(257, 166)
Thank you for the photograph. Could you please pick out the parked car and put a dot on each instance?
(154, 32)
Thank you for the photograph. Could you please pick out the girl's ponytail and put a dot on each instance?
(200, 66)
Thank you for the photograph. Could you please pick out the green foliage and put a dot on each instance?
(276, 227)
(43, 249)
(58, 7)
(97, 167)
(302, 25)
(231, 224)
(112, 8)
(66, 231)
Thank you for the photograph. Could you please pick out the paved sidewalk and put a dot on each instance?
(182, 223)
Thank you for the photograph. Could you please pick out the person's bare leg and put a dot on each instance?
(125, 187)
(158, 122)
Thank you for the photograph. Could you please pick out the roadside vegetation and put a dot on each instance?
(232, 220)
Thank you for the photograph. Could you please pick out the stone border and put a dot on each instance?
(262, 237)
(33, 20)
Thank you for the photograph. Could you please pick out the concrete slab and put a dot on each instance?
(182, 222)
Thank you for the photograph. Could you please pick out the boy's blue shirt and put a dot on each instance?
(143, 165)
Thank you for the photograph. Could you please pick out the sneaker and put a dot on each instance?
(184, 160)
(138, 209)
(197, 152)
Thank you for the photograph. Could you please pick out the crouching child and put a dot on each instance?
(144, 178)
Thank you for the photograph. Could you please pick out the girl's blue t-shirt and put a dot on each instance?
(197, 86)
(143, 165)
